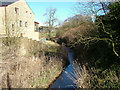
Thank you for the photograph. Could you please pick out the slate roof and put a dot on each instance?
(36, 22)
(7, 2)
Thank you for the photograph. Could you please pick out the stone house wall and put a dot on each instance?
(20, 20)
(2, 20)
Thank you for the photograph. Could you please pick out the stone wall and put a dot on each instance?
(2, 20)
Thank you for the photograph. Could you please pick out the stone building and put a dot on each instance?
(17, 19)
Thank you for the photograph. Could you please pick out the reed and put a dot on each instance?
(33, 70)
(86, 77)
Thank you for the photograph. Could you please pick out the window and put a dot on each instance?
(13, 27)
(16, 10)
(30, 14)
(20, 23)
(25, 24)
(26, 13)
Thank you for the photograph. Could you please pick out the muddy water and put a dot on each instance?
(65, 81)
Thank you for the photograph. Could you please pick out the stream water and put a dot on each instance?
(64, 81)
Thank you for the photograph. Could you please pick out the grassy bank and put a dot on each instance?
(31, 64)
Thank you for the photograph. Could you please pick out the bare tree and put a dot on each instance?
(51, 19)
(95, 8)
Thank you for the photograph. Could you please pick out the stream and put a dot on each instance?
(64, 81)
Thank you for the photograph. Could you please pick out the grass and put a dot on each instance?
(47, 35)
(86, 77)
(79, 76)
(30, 72)
(34, 68)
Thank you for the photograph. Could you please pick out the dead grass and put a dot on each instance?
(28, 71)
(79, 76)
(85, 77)
(51, 43)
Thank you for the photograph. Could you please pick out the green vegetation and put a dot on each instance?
(97, 45)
